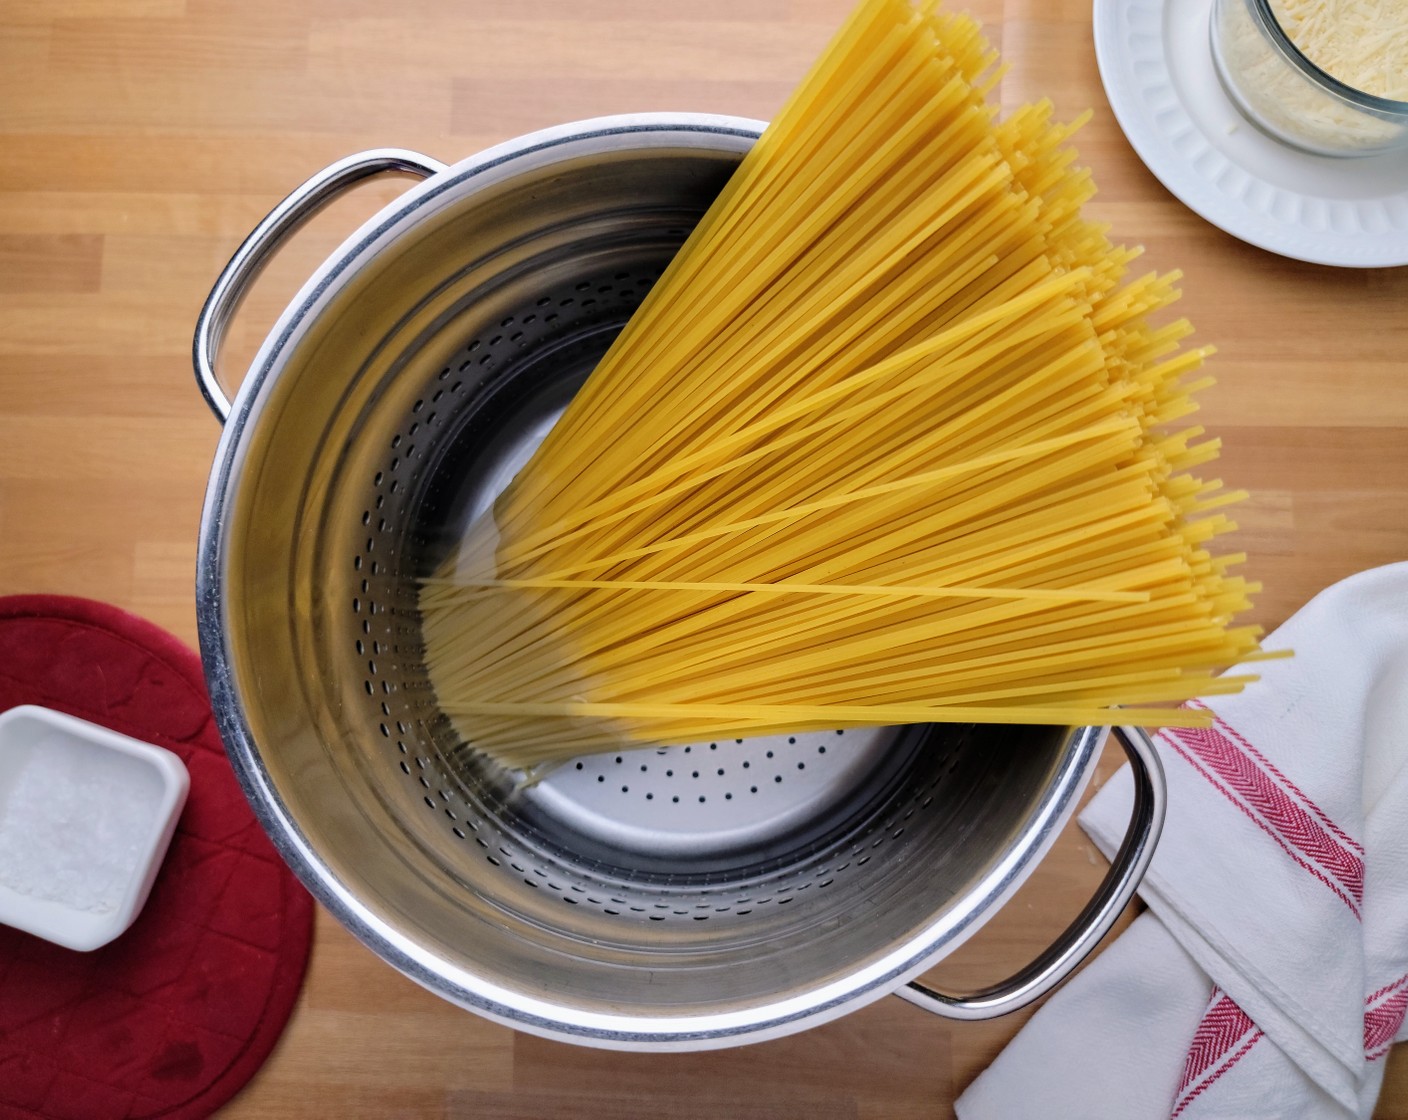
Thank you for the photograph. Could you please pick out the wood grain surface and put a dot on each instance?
(140, 140)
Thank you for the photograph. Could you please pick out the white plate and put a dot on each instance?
(1158, 72)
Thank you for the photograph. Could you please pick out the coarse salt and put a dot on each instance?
(75, 822)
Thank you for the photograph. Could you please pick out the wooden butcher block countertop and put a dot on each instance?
(140, 140)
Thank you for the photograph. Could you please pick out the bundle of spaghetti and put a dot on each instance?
(893, 440)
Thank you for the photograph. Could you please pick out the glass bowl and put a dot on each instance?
(1283, 93)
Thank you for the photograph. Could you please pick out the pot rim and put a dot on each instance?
(451, 980)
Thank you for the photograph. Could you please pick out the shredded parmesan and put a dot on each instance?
(1361, 43)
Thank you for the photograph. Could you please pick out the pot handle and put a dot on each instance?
(1057, 963)
(248, 261)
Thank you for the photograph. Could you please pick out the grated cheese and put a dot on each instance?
(1362, 43)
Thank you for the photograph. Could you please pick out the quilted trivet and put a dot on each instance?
(176, 1015)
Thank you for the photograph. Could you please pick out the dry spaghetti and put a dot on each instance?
(892, 440)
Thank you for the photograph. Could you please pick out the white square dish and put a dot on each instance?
(86, 816)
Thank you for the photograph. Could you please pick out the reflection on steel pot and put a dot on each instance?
(693, 897)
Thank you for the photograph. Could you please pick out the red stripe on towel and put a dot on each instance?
(1225, 1029)
(1292, 823)
(1270, 767)
(1261, 824)
(1383, 1020)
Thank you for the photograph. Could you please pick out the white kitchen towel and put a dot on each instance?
(1271, 976)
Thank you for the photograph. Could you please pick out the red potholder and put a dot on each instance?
(172, 1018)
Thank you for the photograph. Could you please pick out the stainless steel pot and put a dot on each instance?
(695, 897)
